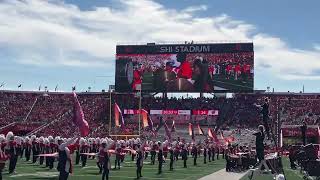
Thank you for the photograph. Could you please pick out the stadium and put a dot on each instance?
(185, 110)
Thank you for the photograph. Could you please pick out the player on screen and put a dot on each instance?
(185, 70)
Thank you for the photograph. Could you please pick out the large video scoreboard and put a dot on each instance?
(224, 67)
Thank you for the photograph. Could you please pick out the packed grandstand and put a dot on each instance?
(50, 113)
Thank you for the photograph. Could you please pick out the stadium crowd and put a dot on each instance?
(53, 112)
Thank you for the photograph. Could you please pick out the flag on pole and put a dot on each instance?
(160, 124)
(119, 121)
(229, 139)
(173, 127)
(144, 115)
(168, 133)
(78, 117)
(200, 130)
(213, 135)
(191, 133)
(150, 123)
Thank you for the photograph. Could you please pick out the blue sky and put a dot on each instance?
(72, 42)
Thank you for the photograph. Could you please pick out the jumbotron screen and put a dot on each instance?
(225, 67)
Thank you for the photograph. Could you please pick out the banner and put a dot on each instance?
(191, 132)
(119, 121)
(213, 135)
(78, 117)
(144, 114)
(200, 131)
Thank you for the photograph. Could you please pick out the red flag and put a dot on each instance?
(117, 116)
(173, 127)
(191, 133)
(200, 130)
(144, 114)
(78, 117)
(228, 139)
(213, 135)
(167, 130)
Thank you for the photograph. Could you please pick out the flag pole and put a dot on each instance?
(110, 114)
(140, 111)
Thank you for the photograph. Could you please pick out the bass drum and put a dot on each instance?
(124, 75)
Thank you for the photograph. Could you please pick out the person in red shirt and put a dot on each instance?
(185, 70)
(137, 79)
(228, 70)
(246, 71)
(237, 71)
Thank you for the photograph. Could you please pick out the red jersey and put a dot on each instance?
(185, 70)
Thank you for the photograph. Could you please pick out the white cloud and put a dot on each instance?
(45, 34)
(196, 8)
(317, 47)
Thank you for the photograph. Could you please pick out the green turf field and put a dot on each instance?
(28, 171)
(289, 173)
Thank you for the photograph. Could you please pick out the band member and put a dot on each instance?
(11, 151)
(101, 156)
(84, 148)
(213, 152)
(52, 149)
(205, 155)
(259, 143)
(218, 152)
(303, 132)
(3, 159)
(194, 153)
(160, 159)
(106, 165)
(177, 151)
(165, 149)
(139, 161)
(228, 160)
(77, 146)
(118, 157)
(42, 149)
(184, 155)
(64, 164)
(223, 152)
(19, 149)
(171, 159)
(153, 153)
(209, 153)
(35, 149)
(28, 147)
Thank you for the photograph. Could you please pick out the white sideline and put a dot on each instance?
(223, 175)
